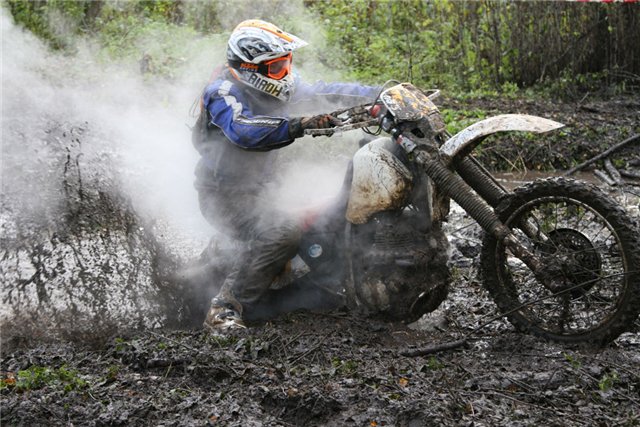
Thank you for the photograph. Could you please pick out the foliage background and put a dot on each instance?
(487, 56)
(467, 47)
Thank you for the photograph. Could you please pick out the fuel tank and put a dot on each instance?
(380, 181)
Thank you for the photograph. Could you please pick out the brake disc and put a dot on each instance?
(576, 257)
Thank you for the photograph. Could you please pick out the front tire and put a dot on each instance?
(590, 243)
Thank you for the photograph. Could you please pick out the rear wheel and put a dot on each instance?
(593, 249)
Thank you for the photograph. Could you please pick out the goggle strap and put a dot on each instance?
(256, 68)
(239, 65)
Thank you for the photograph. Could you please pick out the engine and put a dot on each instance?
(400, 273)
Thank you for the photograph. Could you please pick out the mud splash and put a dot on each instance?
(76, 260)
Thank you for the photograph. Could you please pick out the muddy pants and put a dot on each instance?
(271, 241)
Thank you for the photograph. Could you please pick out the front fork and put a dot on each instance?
(453, 186)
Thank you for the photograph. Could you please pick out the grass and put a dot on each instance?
(456, 120)
(38, 377)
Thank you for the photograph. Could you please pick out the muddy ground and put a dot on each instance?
(325, 370)
(591, 126)
(337, 369)
(307, 369)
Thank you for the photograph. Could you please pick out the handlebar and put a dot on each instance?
(360, 116)
(352, 118)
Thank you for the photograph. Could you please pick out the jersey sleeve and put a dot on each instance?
(230, 113)
(344, 91)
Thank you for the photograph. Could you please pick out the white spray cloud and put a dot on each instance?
(140, 124)
(143, 122)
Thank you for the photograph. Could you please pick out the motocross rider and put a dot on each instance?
(245, 118)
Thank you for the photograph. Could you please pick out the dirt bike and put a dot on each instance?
(560, 258)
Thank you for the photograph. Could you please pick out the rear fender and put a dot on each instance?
(469, 138)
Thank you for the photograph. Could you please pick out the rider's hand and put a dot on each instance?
(297, 125)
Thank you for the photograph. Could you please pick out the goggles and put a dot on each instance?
(276, 69)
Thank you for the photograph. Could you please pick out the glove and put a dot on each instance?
(297, 125)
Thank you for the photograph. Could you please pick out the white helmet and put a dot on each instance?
(259, 55)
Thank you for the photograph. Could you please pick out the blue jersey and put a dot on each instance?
(244, 126)
(261, 123)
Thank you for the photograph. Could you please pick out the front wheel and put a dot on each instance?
(593, 249)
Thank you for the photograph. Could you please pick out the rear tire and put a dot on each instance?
(595, 246)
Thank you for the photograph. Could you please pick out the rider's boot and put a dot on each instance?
(224, 314)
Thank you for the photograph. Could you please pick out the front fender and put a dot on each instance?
(468, 138)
